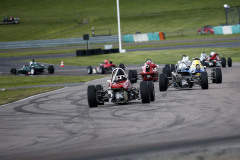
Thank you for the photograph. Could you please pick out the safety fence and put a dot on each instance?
(145, 37)
(232, 29)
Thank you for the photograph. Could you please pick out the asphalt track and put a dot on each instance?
(60, 125)
(179, 124)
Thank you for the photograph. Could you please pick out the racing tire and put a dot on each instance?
(172, 67)
(218, 75)
(131, 76)
(135, 75)
(151, 90)
(203, 62)
(89, 70)
(144, 90)
(99, 87)
(163, 83)
(164, 70)
(121, 65)
(229, 62)
(223, 62)
(204, 80)
(101, 69)
(51, 69)
(13, 71)
(168, 70)
(33, 71)
(92, 99)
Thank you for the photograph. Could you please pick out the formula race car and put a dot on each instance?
(185, 76)
(120, 90)
(33, 69)
(106, 67)
(213, 60)
(149, 72)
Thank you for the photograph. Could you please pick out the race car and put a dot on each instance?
(106, 67)
(149, 72)
(213, 60)
(185, 76)
(120, 90)
(33, 69)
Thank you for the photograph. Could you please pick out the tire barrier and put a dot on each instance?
(97, 51)
(231, 29)
(144, 37)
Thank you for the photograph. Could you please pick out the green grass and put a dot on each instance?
(64, 19)
(21, 81)
(8, 96)
(139, 57)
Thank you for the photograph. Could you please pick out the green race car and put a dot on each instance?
(33, 69)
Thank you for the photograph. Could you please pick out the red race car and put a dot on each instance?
(206, 30)
(149, 72)
(106, 67)
(120, 90)
(213, 60)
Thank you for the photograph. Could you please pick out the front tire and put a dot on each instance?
(223, 62)
(229, 62)
(204, 80)
(151, 90)
(101, 70)
(13, 71)
(163, 84)
(92, 99)
(33, 71)
(144, 92)
(99, 88)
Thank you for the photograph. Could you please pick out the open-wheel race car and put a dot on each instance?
(106, 67)
(120, 90)
(149, 72)
(33, 69)
(185, 75)
(213, 60)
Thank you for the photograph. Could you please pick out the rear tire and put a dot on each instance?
(223, 62)
(13, 71)
(168, 70)
(172, 67)
(151, 90)
(92, 99)
(204, 80)
(135, 75)
(163, 84)
(50, 69)
(131, 76)
(121, 65)
(229, 62)
(89, 70)
(218, 75)
(144, 92)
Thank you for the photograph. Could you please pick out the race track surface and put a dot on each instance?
(60, 125)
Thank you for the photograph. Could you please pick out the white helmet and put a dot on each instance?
(212, 53)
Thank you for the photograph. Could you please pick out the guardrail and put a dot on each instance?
(57, 42)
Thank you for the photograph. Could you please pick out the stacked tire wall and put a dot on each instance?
(97, 51)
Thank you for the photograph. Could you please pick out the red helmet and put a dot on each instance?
(106, 61)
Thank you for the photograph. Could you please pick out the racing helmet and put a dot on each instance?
(212, 53)
(106, 61)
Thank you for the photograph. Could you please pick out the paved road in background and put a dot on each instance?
(60, 125)
(13, 62)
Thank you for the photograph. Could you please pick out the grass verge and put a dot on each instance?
(139, 57)
(8, 96)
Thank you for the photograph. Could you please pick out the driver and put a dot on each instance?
(32, 62)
